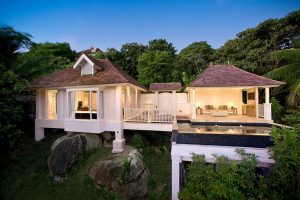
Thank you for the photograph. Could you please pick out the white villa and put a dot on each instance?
(95, 96)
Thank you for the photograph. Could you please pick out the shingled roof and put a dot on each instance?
(109, 73)
(165, 86)
(229, 76)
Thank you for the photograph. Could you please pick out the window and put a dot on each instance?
(83, 104)
(52, 104)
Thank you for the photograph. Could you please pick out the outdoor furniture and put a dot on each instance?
(234, 111)
(219, 113)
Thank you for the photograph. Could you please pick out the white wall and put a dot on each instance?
(110, 103)
(219, 96)
(182, 104)
(165, 101)
(147, 100)
(86, 69)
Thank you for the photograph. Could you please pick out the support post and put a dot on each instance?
(193, 105)
(119, 142)
(267, 105)
(174, 105)
(156, 100)
(176, 160)
(256, 102)
(136, 98)
(39, 133)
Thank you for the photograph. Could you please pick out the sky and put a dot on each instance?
(111, 23)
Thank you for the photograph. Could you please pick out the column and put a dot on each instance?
(176, 160)
(174, 105)
(38, 132)
(119, 142)
(156, 100)
(256, 102)
(136, 98)
(193, 105)
(267, 105)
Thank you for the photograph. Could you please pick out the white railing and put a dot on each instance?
(148, 115)
(261, 110)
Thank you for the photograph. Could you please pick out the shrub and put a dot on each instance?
(137, 142)
(277, 110)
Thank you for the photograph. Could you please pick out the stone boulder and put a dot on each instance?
(130, 183)
(66, 149)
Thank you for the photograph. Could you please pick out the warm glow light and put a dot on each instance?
(51, 104)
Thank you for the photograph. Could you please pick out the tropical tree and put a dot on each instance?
(161, 45)
(155, 66)
(11, 85)
(193, 59)
(251, 48)
(44, 58)
(130, 53)
(11, 43)
(289, 72)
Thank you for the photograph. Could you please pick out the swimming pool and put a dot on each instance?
(224, 134)
(223, 129)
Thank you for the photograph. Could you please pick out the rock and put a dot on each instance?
(66, 149)
(106, 136)
(108, 173)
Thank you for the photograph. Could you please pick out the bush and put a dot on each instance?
(286, 171)
(292, 118)
(137, 142)
(225, 180)
(277, 110)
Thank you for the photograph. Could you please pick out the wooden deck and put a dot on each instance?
(230, 118)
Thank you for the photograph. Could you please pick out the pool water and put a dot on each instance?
(222, 129)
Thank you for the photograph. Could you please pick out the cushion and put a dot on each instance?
(223, 107)
(209, 107)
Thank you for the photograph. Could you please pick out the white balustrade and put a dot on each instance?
(148, 115)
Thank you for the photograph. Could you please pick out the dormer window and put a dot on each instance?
(86, 65)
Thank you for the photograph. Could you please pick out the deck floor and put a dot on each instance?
(230, 118)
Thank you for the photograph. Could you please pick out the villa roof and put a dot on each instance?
(91, 50)
(165, 86)
(229, 76)
(108, 73)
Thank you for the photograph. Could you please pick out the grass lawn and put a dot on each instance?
(27, 175)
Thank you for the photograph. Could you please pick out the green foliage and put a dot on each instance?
(250, 49)
(288, 72)
(277, 110)
(137, 142)
(226, 180)
(292, 118)
(27, 175)
(155, 66)
(98, 55)
(42, 59)
(11, 42)
(16, 69)
(286, 171)
(125, 169)
(194, 59)
(130, 53)
(161, 45)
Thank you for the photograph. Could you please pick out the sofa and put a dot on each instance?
(221, 110)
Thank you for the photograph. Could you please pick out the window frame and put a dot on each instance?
(71, 113)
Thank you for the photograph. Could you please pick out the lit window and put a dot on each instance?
(52, 104)
(85, 105)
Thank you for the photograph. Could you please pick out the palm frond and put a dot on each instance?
(285, 72)
(287, 54)
(293, 98)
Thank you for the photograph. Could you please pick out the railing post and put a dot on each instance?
(148, 116)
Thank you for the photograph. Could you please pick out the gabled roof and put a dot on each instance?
(165, 86)
(229, 76)
(91, 50)
(108, 73)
